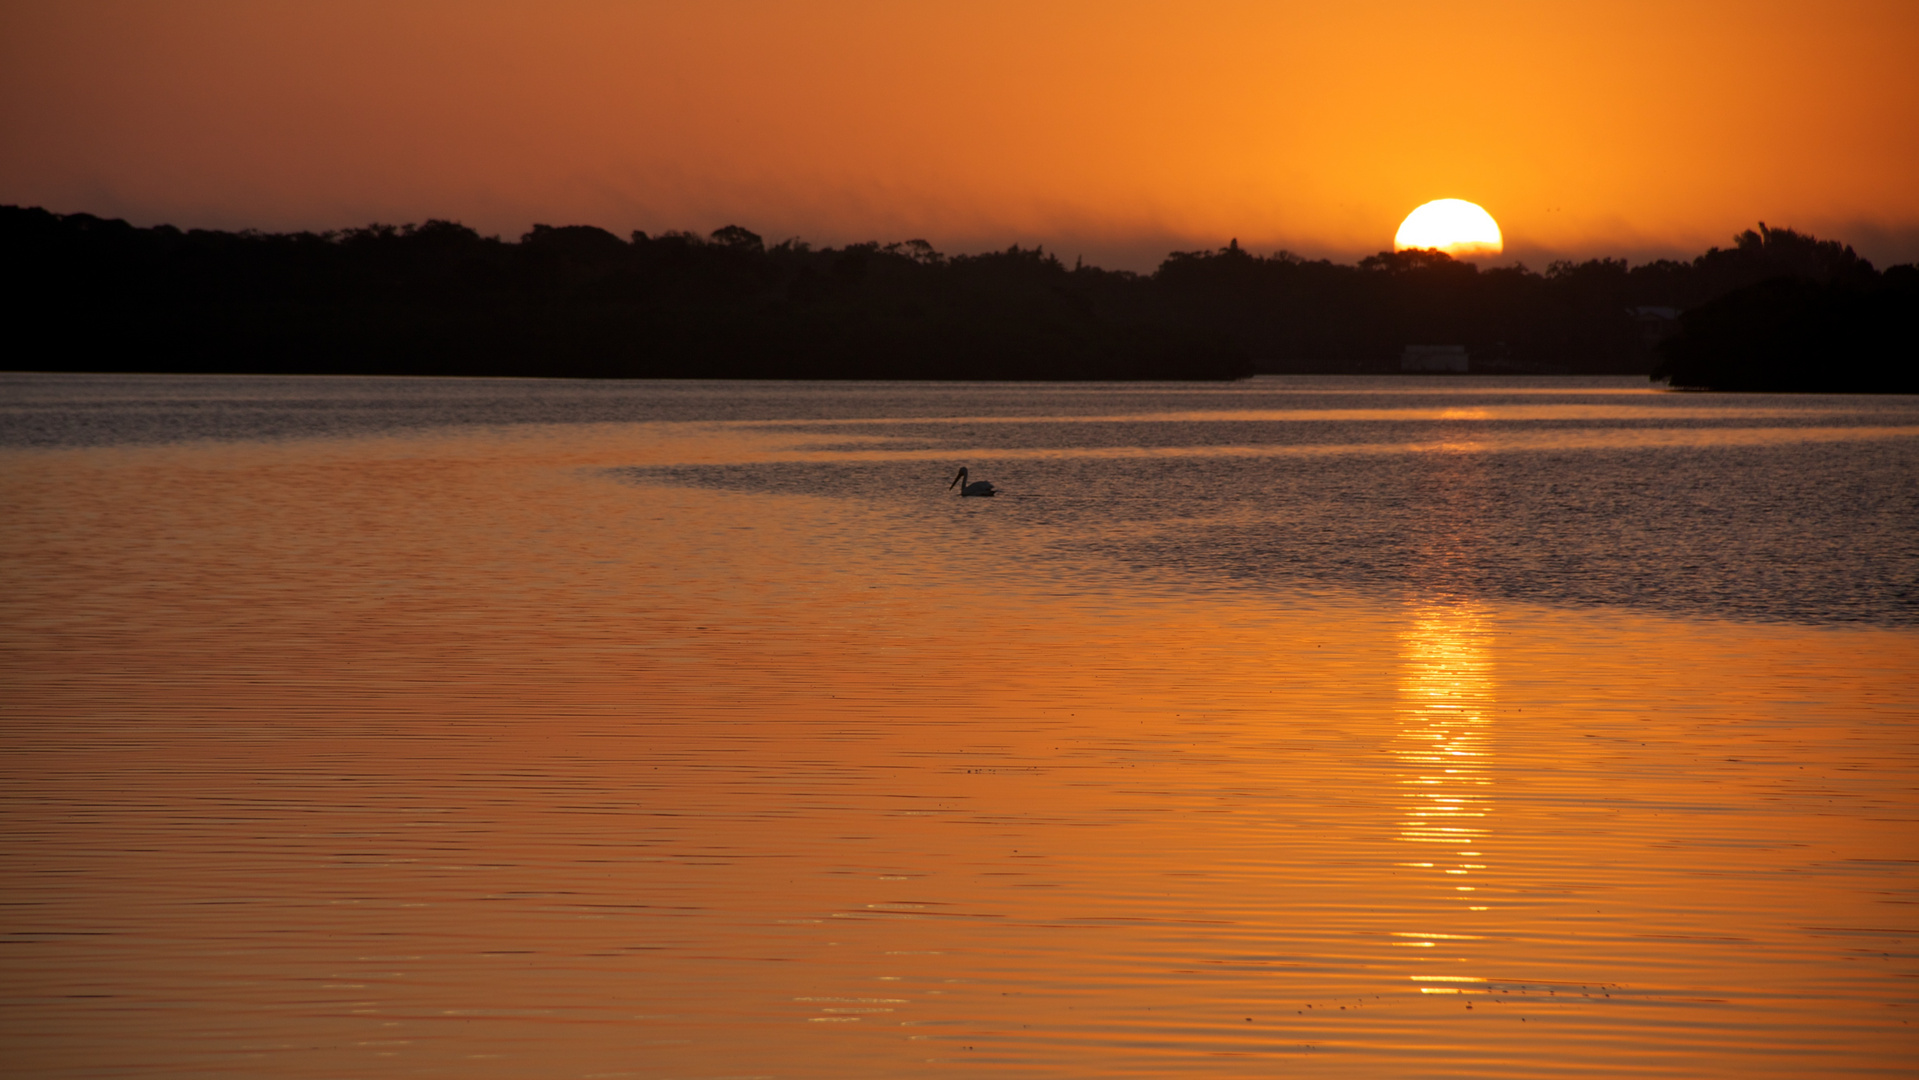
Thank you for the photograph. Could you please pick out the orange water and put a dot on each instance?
(464, 753)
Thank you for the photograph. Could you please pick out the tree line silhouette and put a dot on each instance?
(87, 293)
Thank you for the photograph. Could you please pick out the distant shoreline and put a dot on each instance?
(93, 294)
(1366, 375)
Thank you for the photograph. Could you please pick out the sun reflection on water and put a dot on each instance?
(1444, 750)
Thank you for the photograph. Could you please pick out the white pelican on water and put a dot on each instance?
(977, 487)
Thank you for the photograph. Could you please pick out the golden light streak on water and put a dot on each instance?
(1445, 750)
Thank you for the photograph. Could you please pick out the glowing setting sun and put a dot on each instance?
(1461, 229)
(1114, 131)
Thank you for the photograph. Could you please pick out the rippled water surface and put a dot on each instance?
(1317, 727)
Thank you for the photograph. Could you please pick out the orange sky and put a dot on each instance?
(1113, 129)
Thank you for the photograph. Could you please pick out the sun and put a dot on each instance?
(1454, 226)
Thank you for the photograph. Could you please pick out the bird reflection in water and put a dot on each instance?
(1444, 752)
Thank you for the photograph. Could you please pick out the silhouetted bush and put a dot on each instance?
(1849, 334)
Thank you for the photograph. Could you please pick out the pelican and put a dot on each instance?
(977, 487)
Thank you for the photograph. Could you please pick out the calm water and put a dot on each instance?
(1317, 727)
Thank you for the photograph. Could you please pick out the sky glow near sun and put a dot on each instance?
(1459, 228)
(1119, 129)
